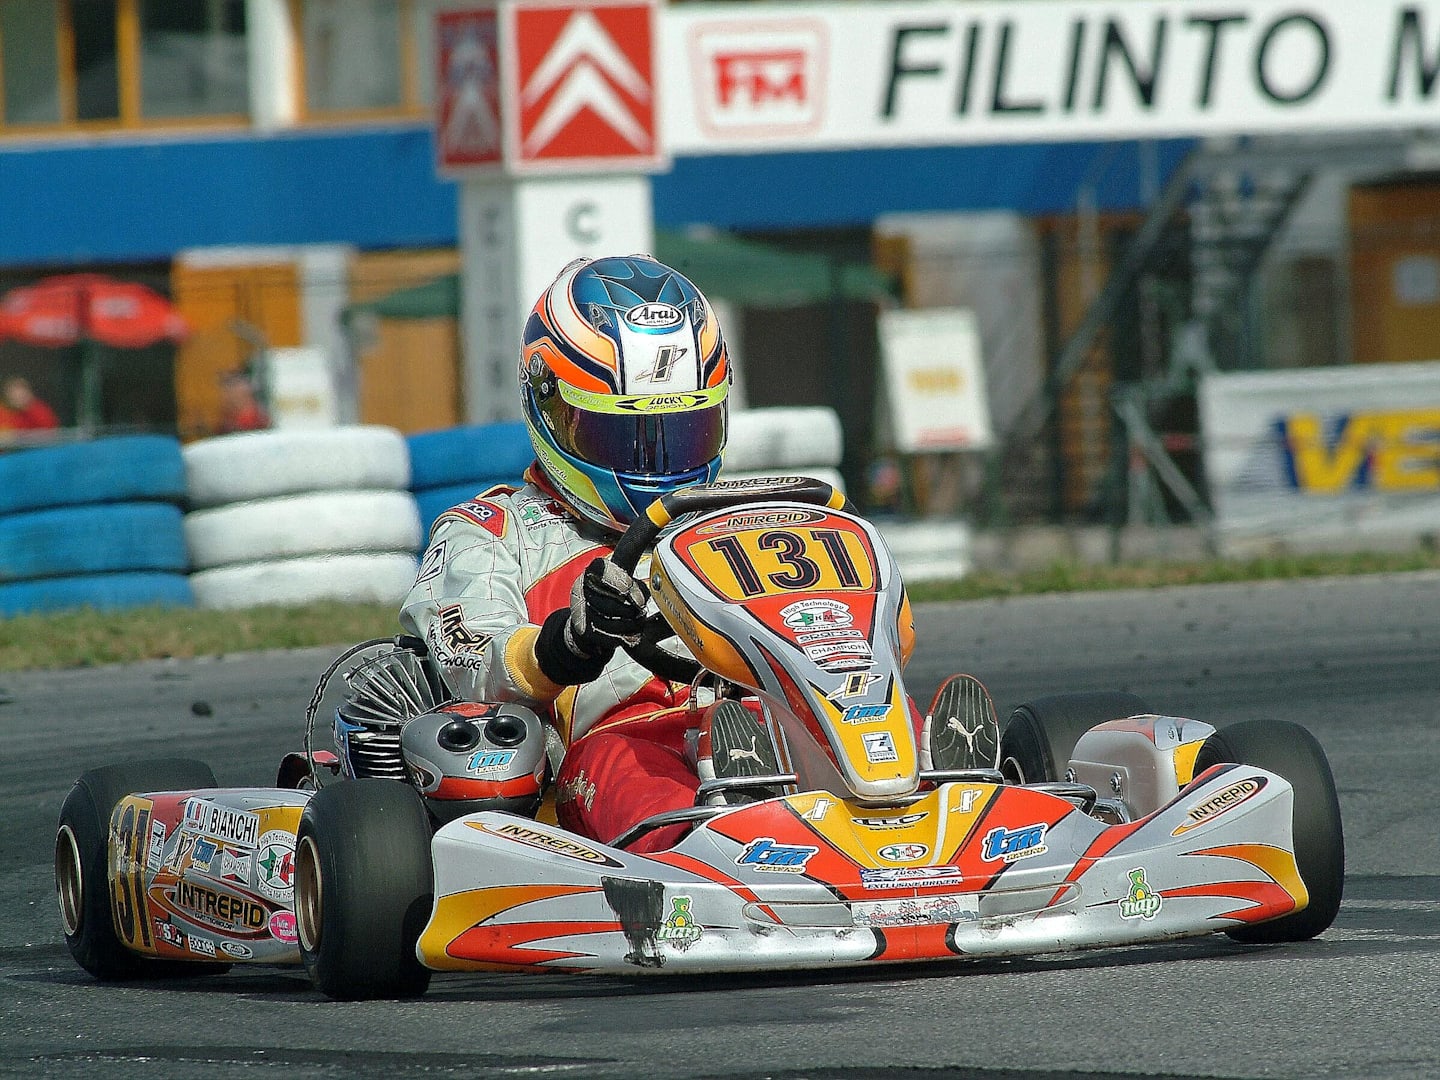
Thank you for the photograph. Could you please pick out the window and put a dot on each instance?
(117, 64)
(120, 63)
(29, 63)
(192, 58)
(96, 56)
(351, 62)
(362, 56)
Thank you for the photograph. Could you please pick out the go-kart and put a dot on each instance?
(421, 843)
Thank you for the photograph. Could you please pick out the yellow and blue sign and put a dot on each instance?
(1381, 450)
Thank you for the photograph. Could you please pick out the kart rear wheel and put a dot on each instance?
(363, 889)
(82, 882)
(1040, 735)
(1294, 753)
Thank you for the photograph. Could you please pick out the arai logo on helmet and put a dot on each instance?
(654, 316)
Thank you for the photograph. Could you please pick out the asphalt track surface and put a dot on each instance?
(1356, 660)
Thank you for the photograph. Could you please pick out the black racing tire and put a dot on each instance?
(82, 871)
(1291, 751)
(1040, 734)
(363, 889)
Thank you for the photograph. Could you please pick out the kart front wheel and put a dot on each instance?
(363, 888)
(82, 871)
(1294, 753)
(1040, 735)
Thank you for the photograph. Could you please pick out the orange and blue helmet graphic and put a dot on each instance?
(624, 378)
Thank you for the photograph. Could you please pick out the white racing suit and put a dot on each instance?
(494, 568)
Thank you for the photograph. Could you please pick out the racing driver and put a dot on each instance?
(624, 377)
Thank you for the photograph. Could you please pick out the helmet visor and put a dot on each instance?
(654, 443)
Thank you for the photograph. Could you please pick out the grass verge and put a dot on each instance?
(88, 638)
(1076, 577)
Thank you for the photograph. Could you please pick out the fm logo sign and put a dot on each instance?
(761, 78)
(584, 79)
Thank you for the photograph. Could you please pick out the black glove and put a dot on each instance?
(607, 609)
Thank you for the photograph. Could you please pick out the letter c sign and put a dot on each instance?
(582, 222)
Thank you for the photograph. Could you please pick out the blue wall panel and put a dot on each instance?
(770, 191)
(126, 201)
(122, 200)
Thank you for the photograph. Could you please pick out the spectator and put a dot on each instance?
(21, 410)
(241, 410)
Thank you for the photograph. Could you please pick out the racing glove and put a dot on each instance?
(607, 609)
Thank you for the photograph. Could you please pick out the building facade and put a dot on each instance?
(266, 163)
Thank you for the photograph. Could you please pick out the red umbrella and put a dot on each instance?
(72, 308)
(89, 310)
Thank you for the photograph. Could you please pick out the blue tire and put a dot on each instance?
(98, 539)
(103, 592)
(121, 468)
(478, 455)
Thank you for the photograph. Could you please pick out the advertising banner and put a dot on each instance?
(746, 78)
(538, 87)
(1320, 453)
(935, 380)
(467, 83)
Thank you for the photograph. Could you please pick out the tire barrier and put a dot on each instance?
(929, 550)
(120, 468)
(328, 522)
(348, 578)
(292, 517)
(264, 464)
(450, 466)
(285, 517)
(93, 524)
(782, 439)
(102, 592)
(477, 455)
(95, 539)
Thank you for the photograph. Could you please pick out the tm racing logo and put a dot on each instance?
(765, 854)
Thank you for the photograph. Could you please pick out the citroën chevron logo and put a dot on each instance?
(586, 82)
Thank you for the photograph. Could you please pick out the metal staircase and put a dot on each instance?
(1234, 218)
(1230, 199)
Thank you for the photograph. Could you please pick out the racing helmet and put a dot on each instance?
(623, 379)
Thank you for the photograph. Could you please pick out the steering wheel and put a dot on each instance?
(640, 536)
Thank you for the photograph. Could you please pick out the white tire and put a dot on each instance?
(783, 438)
(829, 476)
(327, 522)
(263, 464)
(929, 550)
(351, 579)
